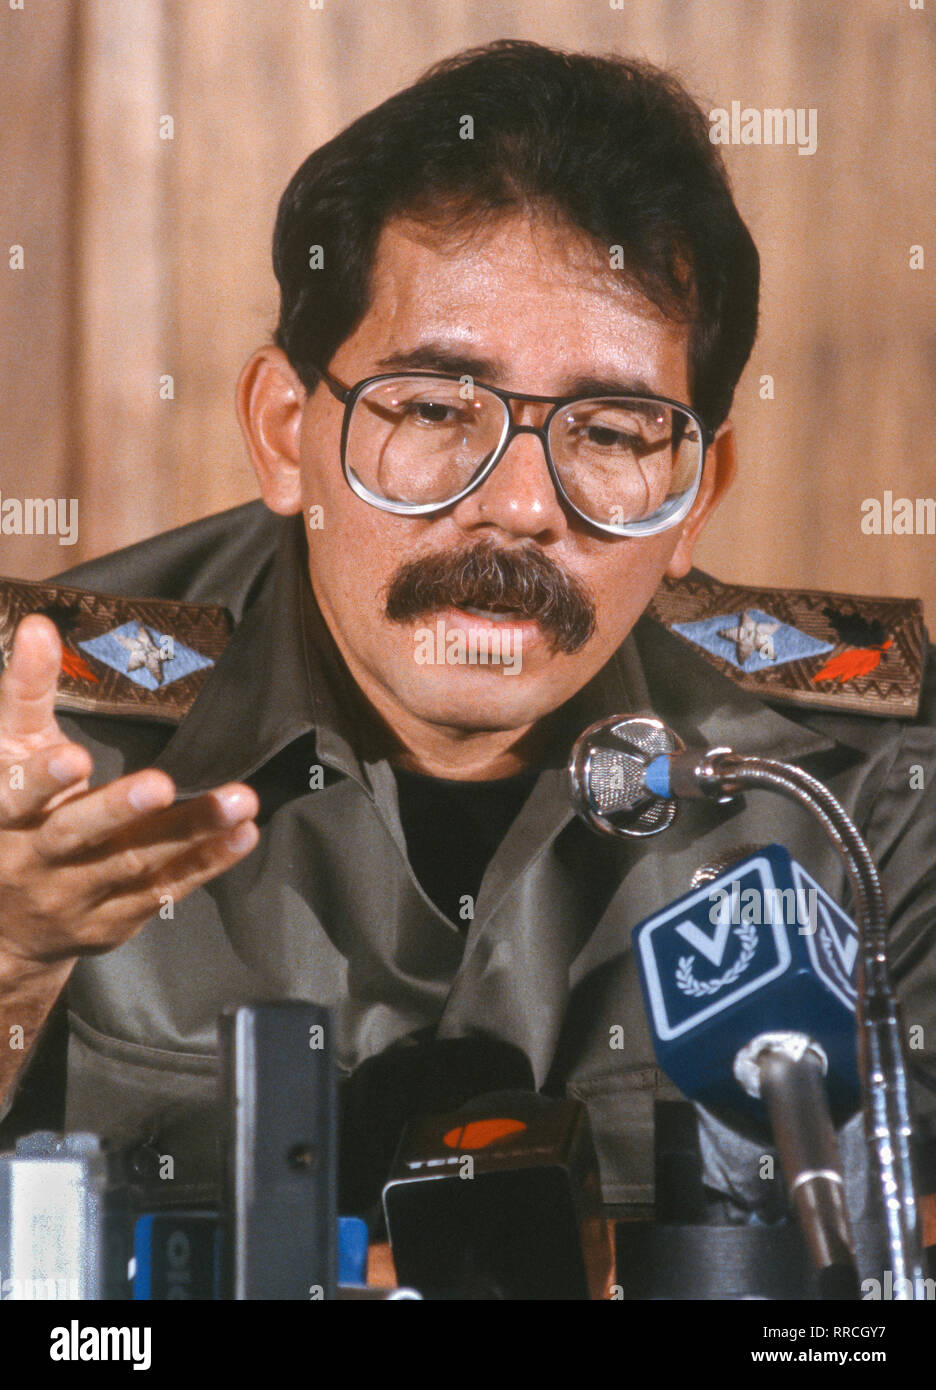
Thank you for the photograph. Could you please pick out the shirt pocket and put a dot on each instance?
(160, 1107)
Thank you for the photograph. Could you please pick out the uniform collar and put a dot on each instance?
(281, 677)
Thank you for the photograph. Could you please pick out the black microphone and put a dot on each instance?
(419, 1075)
(500, 1200)
(279, 1222)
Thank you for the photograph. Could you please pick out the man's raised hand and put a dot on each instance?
(82, 870)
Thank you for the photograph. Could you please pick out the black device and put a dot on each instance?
(279, 1124)
(418, 1075)
(499, 1200)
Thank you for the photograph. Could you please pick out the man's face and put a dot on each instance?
(527, 306)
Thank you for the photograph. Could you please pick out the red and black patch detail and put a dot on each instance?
(868, 641)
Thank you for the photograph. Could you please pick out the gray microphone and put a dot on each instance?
(606, 775)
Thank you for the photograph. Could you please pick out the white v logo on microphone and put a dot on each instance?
(712, 947)
(846, 949)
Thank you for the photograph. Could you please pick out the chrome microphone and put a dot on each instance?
(607, 770)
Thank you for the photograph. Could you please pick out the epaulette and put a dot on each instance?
(802, 646)
(148, 657)
(143, 657)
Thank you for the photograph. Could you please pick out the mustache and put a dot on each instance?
(526, 581)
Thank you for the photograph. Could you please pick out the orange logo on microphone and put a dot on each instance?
(478, 1134)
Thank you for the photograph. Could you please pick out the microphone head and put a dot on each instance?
(606, 776)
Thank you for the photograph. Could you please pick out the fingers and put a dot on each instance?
(108, 859)
(80, 869)
(135, 816)
(213, 828)
(182, 875)
(27, 686)
(28, 786)
(85, 822)
(70, 925)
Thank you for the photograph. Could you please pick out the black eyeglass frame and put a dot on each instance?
(349, 395)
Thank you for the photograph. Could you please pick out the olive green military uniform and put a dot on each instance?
(327, 907)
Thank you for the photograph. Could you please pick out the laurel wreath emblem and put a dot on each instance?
(698, 989)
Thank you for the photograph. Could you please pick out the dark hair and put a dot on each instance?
(616, 147)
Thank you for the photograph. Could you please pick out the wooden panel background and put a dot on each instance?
(146, 256)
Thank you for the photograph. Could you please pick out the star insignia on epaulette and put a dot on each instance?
(145, 655)
(752, 635)
(751, 639)
(143, 652)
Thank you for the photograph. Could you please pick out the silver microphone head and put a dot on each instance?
(606, 769)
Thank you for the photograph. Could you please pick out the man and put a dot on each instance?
(516, 300)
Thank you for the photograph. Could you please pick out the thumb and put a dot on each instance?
(28, 685)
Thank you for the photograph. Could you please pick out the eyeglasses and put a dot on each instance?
(415, 443)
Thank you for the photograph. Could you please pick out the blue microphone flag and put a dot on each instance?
(761, 948)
